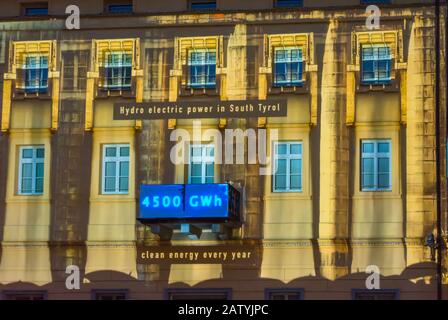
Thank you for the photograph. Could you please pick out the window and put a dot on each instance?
(376, 64)
(202, 164)
(202, 68)
(115, 169)
(109, 294)
(376, 165)
(287, 167)
(119, 8)
(36, 74)
(75, 65)
(24, 295)
(202, 4)
(374, 1)
(284, 294)
(35, 9)
(288, 3)
(31, 170)
(118, 68)
(200, 294)
(288, 66)
(375, 294)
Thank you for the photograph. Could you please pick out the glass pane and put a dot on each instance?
(280, 182)
(281, 148)
(383, 181)
(209, 180)
(210, 152)
(209, 170)
(195, 180)
(383, 147)
(124, 152)
(280, 166)
(367, 165)
(367, 147)
(196, 151)
(124, 169)
(27, 153)
(40, 153)
(296, 149)
(26, 185)
(39, 170)
(295, 182)
(109, 184)
(296, 167)
(110, 169)
(111, 152)
(39, 185)
(383, 165)
(368, 181)
(196, 170)
(27, 170)
(124, 184)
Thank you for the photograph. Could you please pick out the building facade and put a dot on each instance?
(352, 183)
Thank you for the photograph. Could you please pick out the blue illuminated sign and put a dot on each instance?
(188, 201)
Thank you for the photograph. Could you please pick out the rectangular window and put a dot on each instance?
(202, 68)
(202, 4)
(284, 294)
(110, 294)
(25, 295)
(35, 9)
(200, 294)
(288, 67)
(115, 169)
(36, 74)
(376, 64)
(202, 164)
(31, 170)
(376, 168)
(287, 176)
(374, 1)
(288, 3)
(119, 8)
(375, 294)
(118, 68)
(75, 66)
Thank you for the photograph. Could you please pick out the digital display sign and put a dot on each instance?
(188, 202)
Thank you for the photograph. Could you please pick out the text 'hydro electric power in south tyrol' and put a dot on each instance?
(188, 201)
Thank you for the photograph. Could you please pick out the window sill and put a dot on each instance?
(392, 86)
(188, 92)
(112, 198)
(299, 89)
(372, 195)
(287, 195)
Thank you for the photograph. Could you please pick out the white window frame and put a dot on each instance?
(117, 159)
(288, 157)
(34, 161)
(375, 156)
(204, 159)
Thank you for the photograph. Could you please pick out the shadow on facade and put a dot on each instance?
(417, 281)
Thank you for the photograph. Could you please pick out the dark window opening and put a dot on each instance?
(25, 295)
(110, 294)
(374, 1)
(119, 8)
(375, 294)
(35, 9)
(288, 3)
(200, 294)
(284, 294)
(202, 5)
